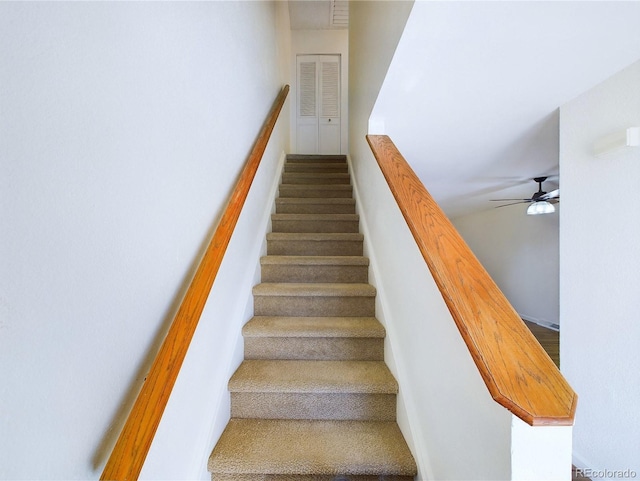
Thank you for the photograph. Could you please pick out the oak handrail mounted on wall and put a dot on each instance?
(516, 370)
(132, 446)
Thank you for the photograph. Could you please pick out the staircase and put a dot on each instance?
(313, 399)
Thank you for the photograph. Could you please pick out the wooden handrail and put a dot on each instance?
(130, 451)
(516, 370)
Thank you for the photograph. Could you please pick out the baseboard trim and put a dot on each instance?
(578, 462)
(542, 323)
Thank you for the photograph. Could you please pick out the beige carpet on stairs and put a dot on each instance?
(313, 399)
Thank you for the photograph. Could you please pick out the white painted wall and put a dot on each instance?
(314, 42)
(374, 31)
(521, 253)
(600, 273)
(123, 127)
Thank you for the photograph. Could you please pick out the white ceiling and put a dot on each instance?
(472, 95)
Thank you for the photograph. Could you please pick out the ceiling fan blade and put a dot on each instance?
(554, 194)
(514, 203)
(506, 200)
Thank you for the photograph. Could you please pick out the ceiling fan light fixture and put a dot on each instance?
(541, 207)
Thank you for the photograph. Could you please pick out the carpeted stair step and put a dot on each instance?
(314, 268)
(316, 178)
(313, 399)
(320, 167)
(314, 244)
(315, 222)
(316, 190)
(314, 338)
(316, 158)
(301, 389)
(286, 449)
(306, 477)
(306, 299)
(310, 205)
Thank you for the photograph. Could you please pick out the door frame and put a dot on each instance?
(342, 56)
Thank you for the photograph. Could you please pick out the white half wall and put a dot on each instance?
(123, 127)
(521, 253)
(452, 425)
(540, 452)
(454, 428)
(600, 274)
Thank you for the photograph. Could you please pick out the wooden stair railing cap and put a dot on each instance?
(516, 370)
(132, 446)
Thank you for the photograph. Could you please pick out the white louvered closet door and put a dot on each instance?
(318, 109)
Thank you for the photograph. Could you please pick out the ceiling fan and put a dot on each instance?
(541, 201)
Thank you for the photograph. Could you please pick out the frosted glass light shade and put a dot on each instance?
(541, 207)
